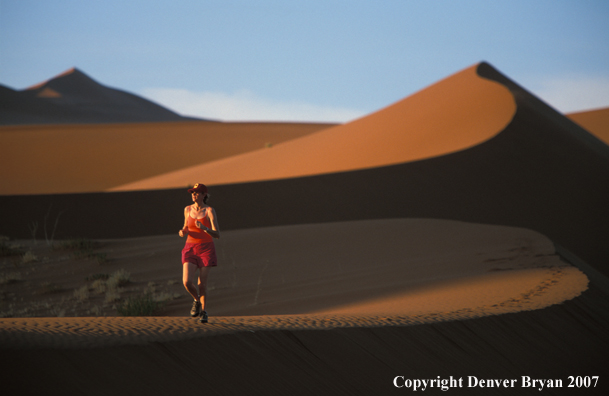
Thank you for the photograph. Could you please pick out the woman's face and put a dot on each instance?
(197, 197)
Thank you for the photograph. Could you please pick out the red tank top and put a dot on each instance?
(195, 234)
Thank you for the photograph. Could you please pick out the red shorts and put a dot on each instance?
(200, 254)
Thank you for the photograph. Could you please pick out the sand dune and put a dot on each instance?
(541, 172)
(95, 157)
(73, 97)
(594, 121)
(456, 113)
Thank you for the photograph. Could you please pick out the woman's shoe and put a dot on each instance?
(196, 309)
(203, 318)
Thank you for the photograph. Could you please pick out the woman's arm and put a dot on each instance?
(214, 231)
(184, 231)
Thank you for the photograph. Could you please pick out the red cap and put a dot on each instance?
(199, 187)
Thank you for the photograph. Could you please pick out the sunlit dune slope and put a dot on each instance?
(42, 159)
(594, 121)
(456, 113)
(390, 267)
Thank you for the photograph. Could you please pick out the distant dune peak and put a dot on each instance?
(74, 97)
(68, 72)
(71, 83)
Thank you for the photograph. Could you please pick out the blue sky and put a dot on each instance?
(313, 60)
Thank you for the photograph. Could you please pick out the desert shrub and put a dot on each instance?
(151, 288)
(76, 244)
(100, 257)
(164, 296)
(82, 294)
(82, 248)
(113, 295)
(29, 257)
(96, 311)
(9, 278)
(8, 249)
(50, 288)
(118, 278)
(144, 305)
(100, 286)
(57, 311)
(9, 313)
(95, 277)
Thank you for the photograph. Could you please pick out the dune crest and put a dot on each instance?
(454, 114)
(65, 73)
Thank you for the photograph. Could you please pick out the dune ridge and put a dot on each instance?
(551, 343)
(456, 113)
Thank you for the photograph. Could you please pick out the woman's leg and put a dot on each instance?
(203, 275)
(189, 274)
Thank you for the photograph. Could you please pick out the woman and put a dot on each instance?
(199, 253)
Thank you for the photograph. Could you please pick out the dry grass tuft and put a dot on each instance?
(100, 286)
(118, 279)
(113, 295)
(143, 305)
(82, 294)
(82, 248)
(10, 278)
(50, 288)
(29, 257)
(9, 249)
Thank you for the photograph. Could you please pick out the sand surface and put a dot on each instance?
(95, 157)
(456, 113)
(317, 276)
(594, 121)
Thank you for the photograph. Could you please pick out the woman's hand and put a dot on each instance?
(201, 226)
(183, 233)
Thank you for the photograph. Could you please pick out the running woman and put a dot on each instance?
(199, 253)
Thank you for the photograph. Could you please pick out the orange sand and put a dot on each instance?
(456, 113)
(595, 121)
(42, 159)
